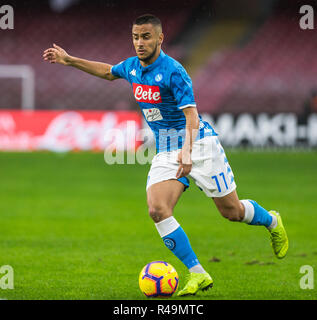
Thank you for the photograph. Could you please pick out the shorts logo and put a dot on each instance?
(158, 77)
(147, 94)
(153, 114)
(170, 243)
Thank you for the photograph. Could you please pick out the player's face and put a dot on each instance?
(147, 40)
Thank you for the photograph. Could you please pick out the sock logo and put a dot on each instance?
(170, 243)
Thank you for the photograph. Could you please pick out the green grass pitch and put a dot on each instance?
(73, 227)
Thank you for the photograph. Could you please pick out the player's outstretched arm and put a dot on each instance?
(59, 55)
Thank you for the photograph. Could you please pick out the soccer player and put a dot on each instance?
(186, 146)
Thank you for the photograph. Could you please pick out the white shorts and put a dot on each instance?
(210, 168)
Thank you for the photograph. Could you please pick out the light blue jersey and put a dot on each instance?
(162, 90)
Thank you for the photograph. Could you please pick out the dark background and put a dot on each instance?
(243, 56)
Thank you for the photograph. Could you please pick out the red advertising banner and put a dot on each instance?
(69, 130)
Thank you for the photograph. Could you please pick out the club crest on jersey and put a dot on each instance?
(158, 77)
(153, 114)
(146, 93)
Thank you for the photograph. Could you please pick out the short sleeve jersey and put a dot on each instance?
(162, 90)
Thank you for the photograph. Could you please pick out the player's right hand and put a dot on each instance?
(185, 163)
(56, 55)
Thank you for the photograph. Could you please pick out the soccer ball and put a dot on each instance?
(158, 279)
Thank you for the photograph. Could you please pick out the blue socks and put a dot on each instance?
(177, 241)
(261, 216)
(256, 215)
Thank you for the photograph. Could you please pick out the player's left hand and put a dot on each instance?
(185, 164)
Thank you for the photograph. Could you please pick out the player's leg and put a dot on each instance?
(212, 173)
(247, 211)
(250, 212)
(162, 198)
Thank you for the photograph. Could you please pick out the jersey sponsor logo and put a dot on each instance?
(146, 93)
(153, 114)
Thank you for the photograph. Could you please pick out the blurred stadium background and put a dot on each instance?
(253, 68)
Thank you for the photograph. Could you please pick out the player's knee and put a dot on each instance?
(159, 212)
